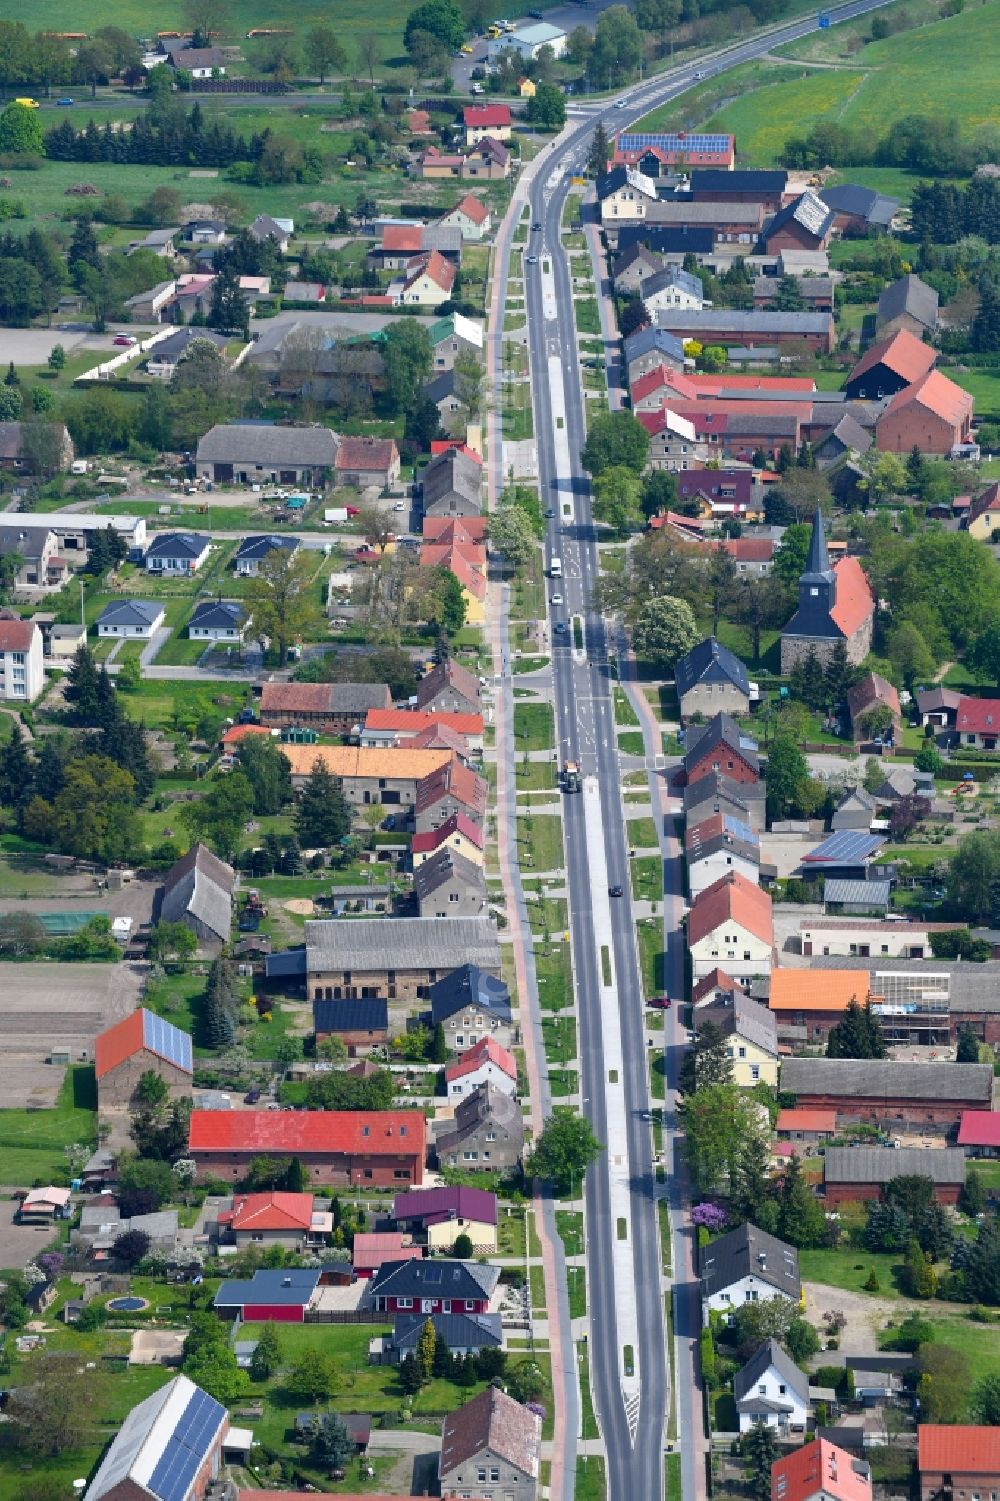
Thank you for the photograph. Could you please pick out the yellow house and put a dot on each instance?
(456, 833)
(984, 514)
(751, 1033)
(526, 88)
(483, 1236)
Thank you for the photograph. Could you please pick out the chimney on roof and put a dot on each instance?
(762, 1259)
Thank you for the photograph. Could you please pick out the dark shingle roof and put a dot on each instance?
(746, 1251)
(710, 662)
(469, 986)
(888, 1078)
(459, 1331)
(808, 211)
(459, 1280)
(351, 1016)
(722, 730)
(130, 612)
(650, 339)
(882, 1164)
(494, 1422)
(711, 179)
(446, 865)
(218, 615)
(863, 203)
(770, 1354)
(911, 296)
(260, 546)
(178, 545)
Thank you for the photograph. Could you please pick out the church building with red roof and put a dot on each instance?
(836, 604)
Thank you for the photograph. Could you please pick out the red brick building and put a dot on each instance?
(960, 1462)
(888, 1093)
(933, 415)
(367, 1148)
(720, 747)
(858, 1174)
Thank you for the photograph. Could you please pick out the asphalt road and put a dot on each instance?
(583, 683)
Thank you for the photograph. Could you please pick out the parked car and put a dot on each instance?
(66, 101)
(659, 1002)
(126, 340)
(251, 1097)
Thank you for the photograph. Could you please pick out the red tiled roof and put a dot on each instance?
(492, 1421)
(452, 528)
(445, 445)
(367, 453)
(408, 238)
(717, 980)
(748, 549)
(434, 553)
(979, 1128)
(487, 1050)
(478, 115)
(471, 207)
(936, 394)
(419, 121)
(128, 1037)
(287, 1132)
(16, 635)
(872, 690)
(463, 784)
(819, 1468)
(969, 1449)
(978, 716)
(439, 737)
(371, 1249)
(458, 563)
(426, 844)
(806, 1120)
(731, 899)
(903, 353)
(238, 732)
(272, 1211)
(855, 602)
(412, 721)
(299, 698)
(662, 377)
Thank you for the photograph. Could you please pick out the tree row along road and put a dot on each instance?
(629, 1373)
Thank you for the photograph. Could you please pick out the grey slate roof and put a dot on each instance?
(402, 943)
(863, 203)
(169, 350)
(460, 1331)
(218, 615)
(749, 1250)
(857, 893)
(867, 1078)
(722, 791)
(653, 339)
(130, 612)
(264, 443)
(717, 179)
(760, 321)
(882, 1164)
(684, 211)
(259, 546)
(469, 985)
(452, 472)
(721, 730)
(858, 797)
(483, 1106)
(808, 211)
(416, 1278)
(848, 433)
(745, 1018)
(443, 866)
(200, 884)
(178, 545)
(266, 228)
(911, 296)
(441, 386)
(636, 253)
(673, 276)
(770, 1354)
(29, 542)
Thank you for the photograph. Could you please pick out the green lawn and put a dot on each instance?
(590, 1482)
(642, 833)
(647, 878)
(34, 1140)
(651, 955)
(534, 728)
(569, 1223)
(631, 743)
(554, 974)
(576, 1284)
(534, 776)
(588, 317)
(764, 118)
(559, 1037)
(539, 836)
(625, 715)
(984, 386)
(850, 1269)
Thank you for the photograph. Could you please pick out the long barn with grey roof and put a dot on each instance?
(198, 891)
(889, 1093)
(853, 1174)
(398, 958)
(168, 1448)
(263, 452)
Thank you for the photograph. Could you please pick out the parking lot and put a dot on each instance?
(20, 1243)
(32, 346)
(56, 1006)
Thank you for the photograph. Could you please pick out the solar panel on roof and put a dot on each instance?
(187, 1447)
(671, 141)
(167, 1040)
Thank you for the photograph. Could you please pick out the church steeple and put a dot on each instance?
(818, 585)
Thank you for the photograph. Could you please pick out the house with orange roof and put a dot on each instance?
(960, 1460)
(140, 1044)
(368, 776)
(983, 516)
(820, 1471)
(377, 1148)
(933, 415)
(275, 1219)
(389, 727)
(803, 1129)
(889, 366)
(871, 693)
(428, 282)
(808, 1002)
(836, 605)
(486, 120)
(471, 216)
(458, 832)
(487, 1062)
(466, 562)
(730, 925)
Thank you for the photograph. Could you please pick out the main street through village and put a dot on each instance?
(629, 1370)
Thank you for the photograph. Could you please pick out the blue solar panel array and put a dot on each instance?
(167, 1041)
(845, 847)
(741, 831)
(187, 1448)
(672, 142)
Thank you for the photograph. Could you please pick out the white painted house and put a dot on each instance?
(747, 1266)
(672, 288)
(729, 926)
(485, 1063)
(718, 845)
(770, 1389)
(22, 675)
(218, 620)
(130, 619)
(177, 552)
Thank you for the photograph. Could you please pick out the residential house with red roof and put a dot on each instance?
(820, 1471)
(22, 675)
(457, 832)
(275, 1219)
(471, 216)
(428, 282)
(441, 1214)
(983, 515)
(488, 160)
(979, 1133)
(371, 1248)
(450, 790)
(889, 366)
(730, 924)
(491, 1436)
(978, 722)
(836, 605)
(481, 120)
(362, 1148)
(933, 415)
(957, 1461)
(870, 694)
(487, 1062)
(364, 461)
(140, 1044)
(387, 727)
(803, 1129)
